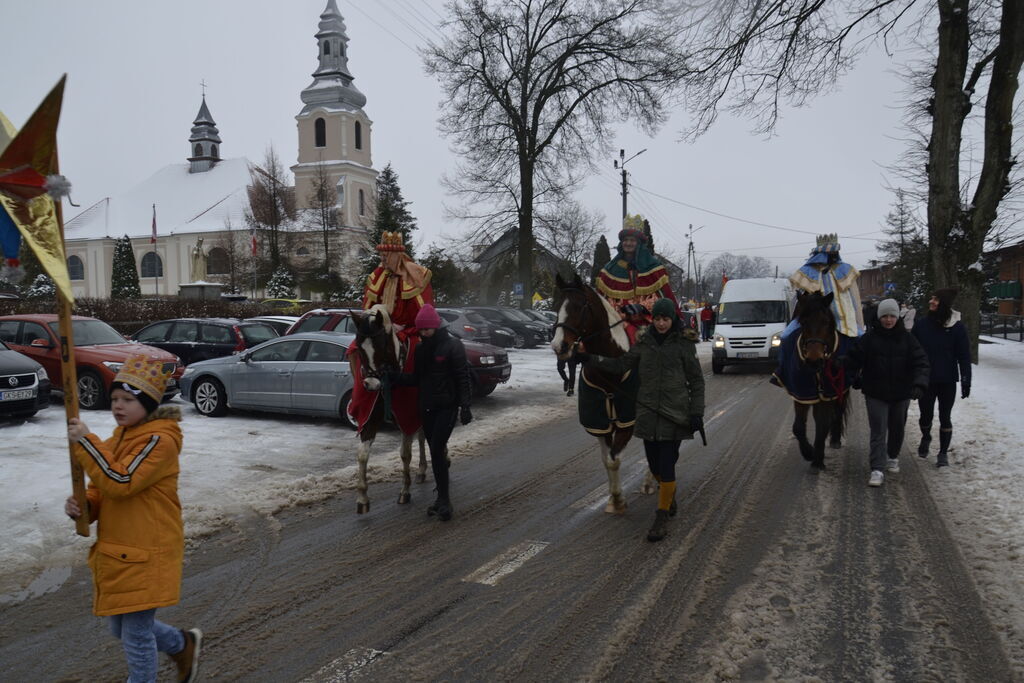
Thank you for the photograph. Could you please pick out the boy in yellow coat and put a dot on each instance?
(133, 496)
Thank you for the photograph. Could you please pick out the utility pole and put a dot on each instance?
(691, 255)
(620, 163)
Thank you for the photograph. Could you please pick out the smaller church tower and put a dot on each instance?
(204, 142)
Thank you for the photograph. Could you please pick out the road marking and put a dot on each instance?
(506, 563)
(346, 667)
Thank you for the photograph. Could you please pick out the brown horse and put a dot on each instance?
(810, 370)
(586, 321)
(379, 351)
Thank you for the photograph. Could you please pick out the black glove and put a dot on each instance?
(696, 423)
(965, 389)
(465, 416)
(916, 393)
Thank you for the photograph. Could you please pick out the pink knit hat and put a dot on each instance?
(427, 318)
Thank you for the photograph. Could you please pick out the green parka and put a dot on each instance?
(671, 383)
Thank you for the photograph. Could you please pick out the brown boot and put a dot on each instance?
(187, 660)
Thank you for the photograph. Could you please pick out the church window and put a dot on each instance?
(213, 151)
(217, 262)
(362, 204)
(359, 135)
(327, 47)
(199, 150)
(302, 251)
(76, 269)
(341, 49)
(320, 133)
(152, 266)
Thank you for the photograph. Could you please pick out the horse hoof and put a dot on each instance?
(404, 498)
(362, 508)
(818, 465)
(613, 509)
(648, 489)
(421, 478)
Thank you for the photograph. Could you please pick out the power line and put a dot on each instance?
(421, 19)
(401, 19)
(385, 29)
(431, 8)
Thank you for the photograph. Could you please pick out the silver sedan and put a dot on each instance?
(302, 374)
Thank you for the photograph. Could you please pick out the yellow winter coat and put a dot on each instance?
(133, 494)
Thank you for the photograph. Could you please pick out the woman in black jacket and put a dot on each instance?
(893, 369)
(445, 390)
(944, 339)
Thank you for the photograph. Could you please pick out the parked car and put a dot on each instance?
(99, 353)
(488, 363)
(467, 325)
(528, 333)
(300, 374)
(196, 339)
(280, 323)
(543, 317)
(286, 305)
(24, 384)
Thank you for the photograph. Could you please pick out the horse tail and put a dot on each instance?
(842, 411)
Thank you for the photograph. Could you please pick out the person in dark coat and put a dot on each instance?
(669, 401)
(891, 368)
(944, 338)
(445, 391)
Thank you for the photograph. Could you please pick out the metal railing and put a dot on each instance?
(1003, 326)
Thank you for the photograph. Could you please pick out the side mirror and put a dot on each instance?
(244, 357)
(41, 344)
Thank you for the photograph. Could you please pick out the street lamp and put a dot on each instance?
(621, 163)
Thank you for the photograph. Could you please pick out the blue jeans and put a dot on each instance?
(142, 636)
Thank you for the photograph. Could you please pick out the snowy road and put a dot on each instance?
(768, 573)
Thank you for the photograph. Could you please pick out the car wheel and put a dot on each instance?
(519, 341)
(210, 398)
(481, 390)
(717, 366)
(343, 411)
(91, 394)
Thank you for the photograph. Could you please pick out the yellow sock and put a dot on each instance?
(666, 491)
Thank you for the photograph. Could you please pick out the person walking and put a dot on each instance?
(669, 402)
(707, 315)
(445, 390)
(892, 369)
(137, 559)
(944, 338)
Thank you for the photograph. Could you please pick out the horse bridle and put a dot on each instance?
(369, 373)
(587, 309)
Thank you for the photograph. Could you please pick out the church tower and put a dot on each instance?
(204, 142)
(334, 132)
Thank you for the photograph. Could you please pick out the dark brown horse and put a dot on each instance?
(810, 370)
(587, 322)
(379, 351)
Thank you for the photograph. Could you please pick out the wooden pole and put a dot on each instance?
(69, 374)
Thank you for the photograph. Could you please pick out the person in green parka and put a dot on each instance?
(670, 399)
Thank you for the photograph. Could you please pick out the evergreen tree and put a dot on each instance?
(602, 255)
(390, 215)
(124, 277)
(446, 277)
(42, 288)
(650, 237)
(907, 251)
(281, 284)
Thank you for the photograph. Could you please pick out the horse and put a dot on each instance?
(811, 371)
(607, 401)
(376, 351)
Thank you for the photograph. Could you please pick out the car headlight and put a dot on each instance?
(776, 340)
(113, 366)
(719, 341)
(487, 360)
(41, 374)
(189, 370)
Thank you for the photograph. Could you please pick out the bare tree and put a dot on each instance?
(322, 214)
(271, 203)
(569, 231)
(734, 267)
(749, 57)
(234, 250)
(532, 87)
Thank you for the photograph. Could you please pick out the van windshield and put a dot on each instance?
(752, 312)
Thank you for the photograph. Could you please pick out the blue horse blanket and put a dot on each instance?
(804, 383)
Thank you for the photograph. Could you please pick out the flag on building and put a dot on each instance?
(152, 238)
(724, 278)
(252, 237)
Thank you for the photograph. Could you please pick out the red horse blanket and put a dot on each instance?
(404, 400)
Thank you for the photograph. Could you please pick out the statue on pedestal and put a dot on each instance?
(198, 262)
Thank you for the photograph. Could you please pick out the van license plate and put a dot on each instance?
(748, 354)
(17, 395)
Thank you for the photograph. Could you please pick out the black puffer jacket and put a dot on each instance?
(890, 362)
(441, 372)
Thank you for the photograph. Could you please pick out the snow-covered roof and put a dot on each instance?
(185, 203)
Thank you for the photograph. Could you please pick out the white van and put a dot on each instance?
(752, 314)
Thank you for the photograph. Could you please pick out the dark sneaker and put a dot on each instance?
(673, 508)
(658, 529)
(444, 510)
(187, 660)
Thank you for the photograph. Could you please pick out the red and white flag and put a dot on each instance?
(152, 238)
(252, 235)
(724, 278)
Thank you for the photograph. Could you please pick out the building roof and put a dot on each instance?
(185, 203)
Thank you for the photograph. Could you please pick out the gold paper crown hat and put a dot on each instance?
(391, 241)
(146, 375)
(828, 244)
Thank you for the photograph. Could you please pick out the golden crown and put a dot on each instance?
(391, 241)
(829, 238)
(827, 244)
(144, 374)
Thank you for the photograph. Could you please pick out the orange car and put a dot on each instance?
(99, 353)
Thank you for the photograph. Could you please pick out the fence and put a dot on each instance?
(1004, 326)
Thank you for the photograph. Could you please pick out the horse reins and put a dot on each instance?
(587, 309)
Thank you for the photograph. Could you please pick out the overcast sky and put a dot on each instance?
(134, 72)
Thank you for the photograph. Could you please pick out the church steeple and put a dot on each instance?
(332, 83)
(204, 142)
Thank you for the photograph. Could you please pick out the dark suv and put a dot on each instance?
(489, 364)
(24, 384)
(196, 339)
(528, 333)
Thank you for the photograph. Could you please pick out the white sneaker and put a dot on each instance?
(876, 478)
(894, 465)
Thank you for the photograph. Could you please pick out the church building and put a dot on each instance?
(206, 201)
